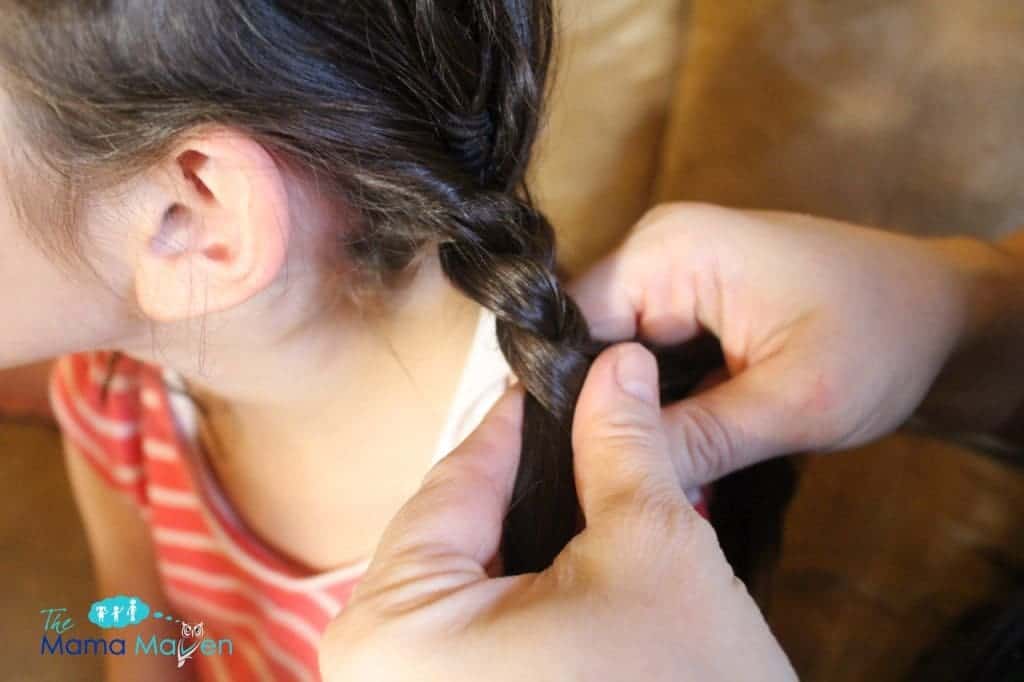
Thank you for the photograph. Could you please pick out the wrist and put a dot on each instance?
(988, 279)
(981, 387)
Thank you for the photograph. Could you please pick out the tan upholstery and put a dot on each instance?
(904, 114)
(900, 114)
(598, 155)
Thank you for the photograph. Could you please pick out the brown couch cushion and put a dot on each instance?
(599, 151)
(904, 114)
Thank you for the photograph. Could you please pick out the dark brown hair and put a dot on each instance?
(418, 114)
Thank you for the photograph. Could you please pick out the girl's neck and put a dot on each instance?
(335, 431)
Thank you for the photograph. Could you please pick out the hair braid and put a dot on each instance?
(501, 253)
(499, 250)
(505, 260)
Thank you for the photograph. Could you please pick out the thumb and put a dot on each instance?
(620, 450)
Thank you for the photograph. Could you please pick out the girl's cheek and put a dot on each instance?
(44, 310)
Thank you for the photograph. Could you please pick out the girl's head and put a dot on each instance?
(188, 156)
(178, 159)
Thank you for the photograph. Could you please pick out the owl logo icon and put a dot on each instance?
(191, 638)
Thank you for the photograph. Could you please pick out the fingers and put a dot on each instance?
(603, 295)
(757, 414)
(622, 443)
(621, 454)
(649, 288)
(638, 292)
(456, 517)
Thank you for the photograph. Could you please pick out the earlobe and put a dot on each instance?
(222, 233)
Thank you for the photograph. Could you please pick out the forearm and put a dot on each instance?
(981, 388)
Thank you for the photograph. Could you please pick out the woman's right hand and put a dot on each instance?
(832, 333)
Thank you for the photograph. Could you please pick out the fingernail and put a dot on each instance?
(637, 373)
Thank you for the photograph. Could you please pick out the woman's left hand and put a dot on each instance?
(643, 593)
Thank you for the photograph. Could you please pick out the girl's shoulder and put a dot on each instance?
(98, 399)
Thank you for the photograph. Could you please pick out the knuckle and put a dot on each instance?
(701, 537)
(661, 225)
(620, 430)
(665, 515)
(374, 636)
(681, 212)
(346, 647)
(818, 410)
(448, 474)
(656, 214)
(445, 486)
(707, 444)
(654, 527)
(615, 440)
(685, 544)
(682, 227)
(577, 567)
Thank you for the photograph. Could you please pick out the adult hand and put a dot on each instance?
(832, 333)
(643, 593)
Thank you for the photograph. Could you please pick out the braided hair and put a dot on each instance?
(499, 250)
(417, 116)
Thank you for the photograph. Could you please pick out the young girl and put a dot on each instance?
(239, 218)
(271, 240)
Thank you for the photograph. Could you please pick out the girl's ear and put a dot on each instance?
(221, 233)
